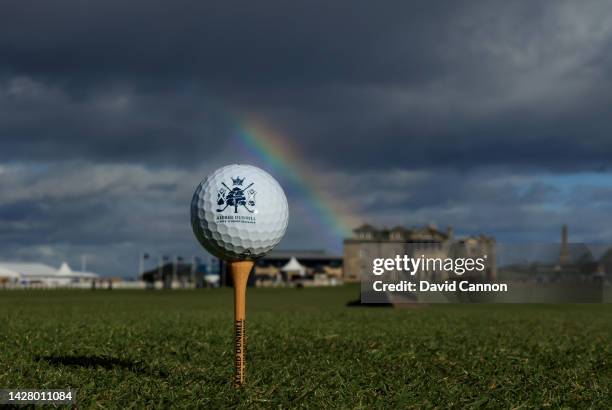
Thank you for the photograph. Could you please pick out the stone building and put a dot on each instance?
(369, 243)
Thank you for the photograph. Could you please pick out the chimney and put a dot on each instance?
(564, 256)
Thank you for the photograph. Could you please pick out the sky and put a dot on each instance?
(490, 116)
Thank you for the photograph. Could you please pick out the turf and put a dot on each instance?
(306, 348)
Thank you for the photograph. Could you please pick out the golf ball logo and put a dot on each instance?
(237, 197)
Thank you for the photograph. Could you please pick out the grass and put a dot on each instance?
(162, 349)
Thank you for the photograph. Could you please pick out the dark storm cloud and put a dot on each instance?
(254, 44)
(42, 121)
(417, 84)
(115, 81)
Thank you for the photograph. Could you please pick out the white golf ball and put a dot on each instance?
(239, 212)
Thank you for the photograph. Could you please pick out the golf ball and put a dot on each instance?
(239, 212)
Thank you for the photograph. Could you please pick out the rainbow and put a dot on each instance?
(329, 217)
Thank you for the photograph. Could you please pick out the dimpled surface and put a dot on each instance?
(244, 225)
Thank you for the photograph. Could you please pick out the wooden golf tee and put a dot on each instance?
(240, 275)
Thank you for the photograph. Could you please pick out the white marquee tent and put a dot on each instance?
(65, 272)
(294, 267)
(45, 275)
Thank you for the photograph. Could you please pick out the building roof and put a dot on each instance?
(29, 269)
(301, 255)
(40, 270)
(477, 238)
(427, 233)
(7, 273)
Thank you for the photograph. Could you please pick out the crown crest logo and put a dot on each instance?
(237, 196)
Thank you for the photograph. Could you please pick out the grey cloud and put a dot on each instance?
(511, 206)
(416, 84)
(110, 210)
(116, 211)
